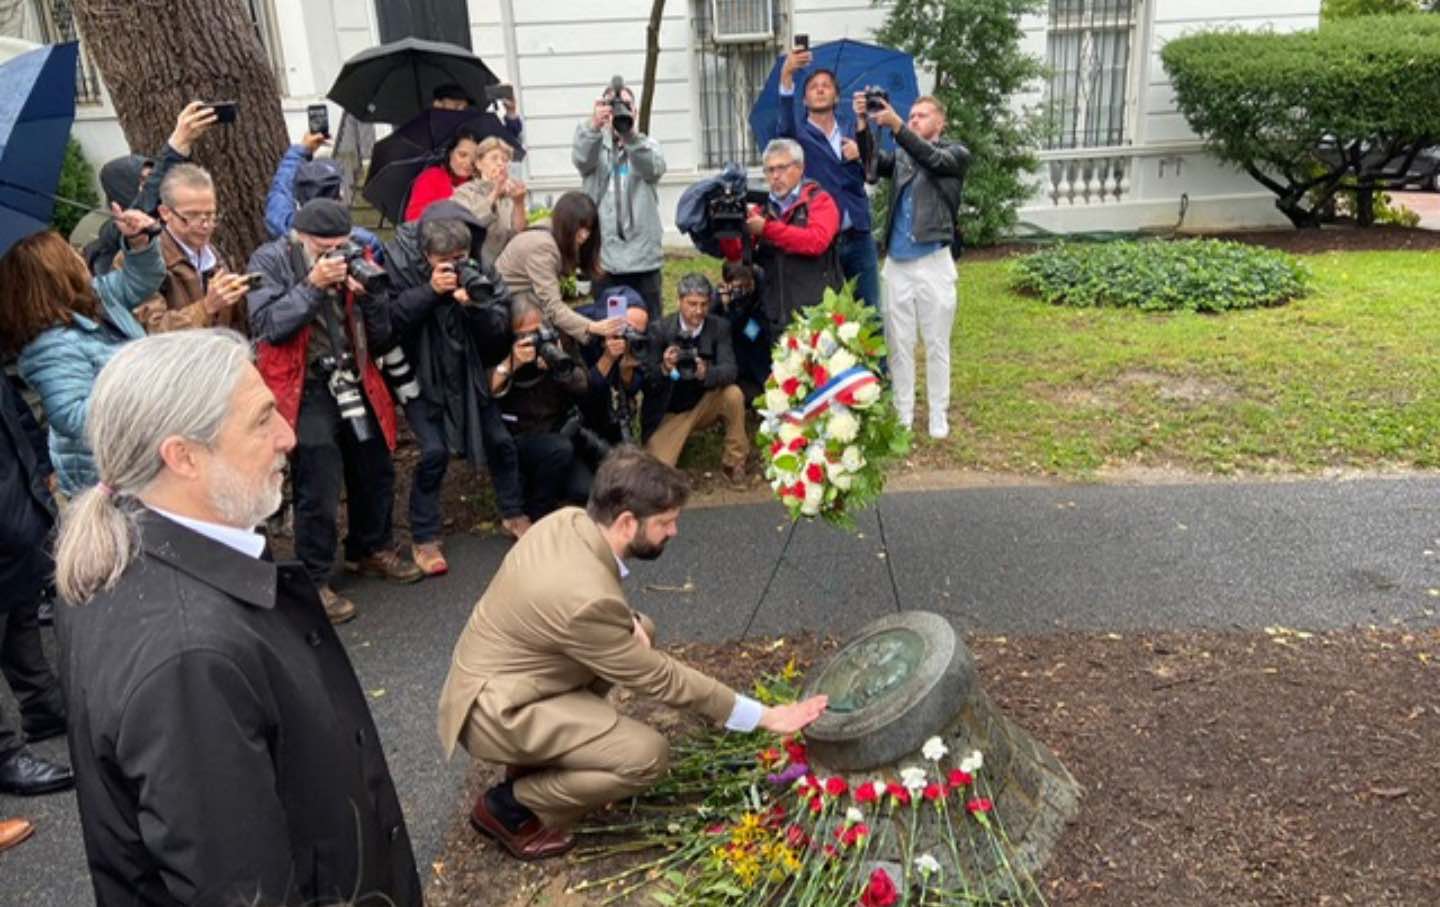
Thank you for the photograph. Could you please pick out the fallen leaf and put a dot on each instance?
(376, 694)
(1389, 793)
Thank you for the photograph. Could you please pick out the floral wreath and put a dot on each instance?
(829, 426)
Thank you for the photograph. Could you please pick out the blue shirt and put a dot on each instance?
(844, 180)
(903, 246)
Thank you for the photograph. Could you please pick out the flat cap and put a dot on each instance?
(323, 217)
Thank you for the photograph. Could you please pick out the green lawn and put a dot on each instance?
(1346, 377)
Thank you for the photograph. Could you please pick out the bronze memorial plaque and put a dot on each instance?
(862, 674)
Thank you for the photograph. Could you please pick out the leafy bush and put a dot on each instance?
(1197, 275)
(77, 183)
(1334, 10)
(1307, 113)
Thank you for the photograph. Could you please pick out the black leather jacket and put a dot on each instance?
(937, 171)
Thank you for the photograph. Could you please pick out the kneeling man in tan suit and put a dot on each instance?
(550, 636)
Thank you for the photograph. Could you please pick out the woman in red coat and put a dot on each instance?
(440, 181)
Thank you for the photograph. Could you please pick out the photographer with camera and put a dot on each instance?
(622, 168)
(320, 309)
(737, 301)
(691, 383)
(451, 317)
(538, 387)
(616, 367)
(793, 237)
(928, 175)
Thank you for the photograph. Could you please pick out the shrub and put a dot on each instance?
(1307, 113)
(1197, 275)
(77, 183)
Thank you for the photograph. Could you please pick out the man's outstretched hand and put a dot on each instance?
(787, 719)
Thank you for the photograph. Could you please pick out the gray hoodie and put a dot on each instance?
(630, 227)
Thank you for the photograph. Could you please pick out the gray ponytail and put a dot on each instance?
(168, 385)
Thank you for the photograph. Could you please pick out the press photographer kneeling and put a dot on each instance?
(692, 381)
(538, 388)
(616, 365)
(319, 313)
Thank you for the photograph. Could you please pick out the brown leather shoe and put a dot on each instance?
(532, 842)
(13, 831)
(337, 607)
(386, 564)
(430, 558)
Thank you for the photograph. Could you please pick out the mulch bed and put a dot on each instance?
(1338, 238)
(1219, 768)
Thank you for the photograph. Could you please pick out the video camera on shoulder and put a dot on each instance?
(547, 346)
(365, 272)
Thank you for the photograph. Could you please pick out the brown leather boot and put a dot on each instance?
(337, 607)
(532, 841)
(13, 831)
(386, 564)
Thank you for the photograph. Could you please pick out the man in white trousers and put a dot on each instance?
(918, 237)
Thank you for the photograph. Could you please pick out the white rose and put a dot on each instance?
(934, 749)
(781, 373)
(842, 427)
(789, 431)
(972, 763)
(795, 362)
(841, 362)
(815, 453)
(867, 394)
(926, 865)
(852, 459)
(849, 331)
(842, 481)
(853, 816)
(913, 778)
(776, 401)
(814, 497)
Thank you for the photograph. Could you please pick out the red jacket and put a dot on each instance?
(810, 239)
(283, 368)
(435, 183)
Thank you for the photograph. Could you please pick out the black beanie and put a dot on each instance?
(323, 217)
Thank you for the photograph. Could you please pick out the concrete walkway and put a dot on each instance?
(1025, 559)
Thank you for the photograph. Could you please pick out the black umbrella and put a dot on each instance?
(397, 159)
(396, 81)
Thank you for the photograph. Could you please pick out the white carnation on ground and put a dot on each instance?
(841, 362)
(849, 331)
(853, 815)
(776, 401)
(972, 763)
(842, 427)
(913, 778)
(852, 459)
(934, 749)
(926, 865)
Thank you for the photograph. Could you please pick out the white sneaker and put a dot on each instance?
(939, 427)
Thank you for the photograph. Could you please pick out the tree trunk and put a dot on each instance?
(652, 59)
(157, 58)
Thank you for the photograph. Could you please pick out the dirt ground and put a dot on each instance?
(1219, 768)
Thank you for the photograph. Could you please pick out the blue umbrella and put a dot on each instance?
(856, 65)
(37, 106)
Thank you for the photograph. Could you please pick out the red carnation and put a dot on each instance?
(717, 829)
(791, 386)
(795, 836)
(836, 787)
(815, 804)
(934, 792)
(880, 892)
(799, 444)
(776, 447)
(819, 375)
(865, 793)
(795, 750)
(815, 339)
(980, 805)
(959, 779)
(854, 834)
(792, 343)
(846, 397)
(830, 851)
(839, 319)
(798, 490)
(815, 474)
(899, 792)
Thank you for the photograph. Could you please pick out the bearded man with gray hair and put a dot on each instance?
(224, 751)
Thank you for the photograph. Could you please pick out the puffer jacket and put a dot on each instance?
(630, 220)
(62, 363)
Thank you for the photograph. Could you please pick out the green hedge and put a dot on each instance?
(77, 183)
(1197, 275)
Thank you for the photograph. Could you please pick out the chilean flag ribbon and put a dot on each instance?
(843, 385)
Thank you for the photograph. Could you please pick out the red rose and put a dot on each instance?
(846, 397)
(865, 793)
(898, 791)
(791, 386)
(836, 787)
(792, 343)
(815, 804)
(839, 319)
(799, 444)
(959, 779)
(934, 792)
(880, 892)
(776, 447)
(798, 490)
(980, 805)
(815, 474)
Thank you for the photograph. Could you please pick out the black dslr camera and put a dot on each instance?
(547, 345)
(471, 277)
(622, 116)
(343, 379)
(875, 99)
(637, 341)
(366, 273)
(687, 355)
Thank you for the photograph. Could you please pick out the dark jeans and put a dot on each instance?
(859, 259)
(646, 283)
(503, 461)
(427, 424)
(22, 660)
(551, 473)
(326, 454)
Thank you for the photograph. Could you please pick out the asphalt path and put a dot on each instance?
(1013, 560)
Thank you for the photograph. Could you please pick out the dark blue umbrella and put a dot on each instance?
(37, 106)
(856, 65)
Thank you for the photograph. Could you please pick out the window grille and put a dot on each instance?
(731, 76)
(1090, 45)
(743, 21)
(262, 16)
(57, 24)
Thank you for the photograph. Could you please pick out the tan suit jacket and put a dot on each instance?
(551, 627)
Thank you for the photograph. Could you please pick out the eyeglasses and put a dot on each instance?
(773, 169)
(205, 219)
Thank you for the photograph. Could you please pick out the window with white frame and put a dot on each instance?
(1090, 45)
(736, 43)
(57, 25)
(262, 15)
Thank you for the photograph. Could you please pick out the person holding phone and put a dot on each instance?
(496, 200)
(302, 176)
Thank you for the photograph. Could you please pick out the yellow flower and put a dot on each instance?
(790, 671)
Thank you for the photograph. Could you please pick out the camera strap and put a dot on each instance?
(620, 168)
(327, 305)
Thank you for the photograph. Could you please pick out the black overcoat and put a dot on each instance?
(223, 750)
(27, 512)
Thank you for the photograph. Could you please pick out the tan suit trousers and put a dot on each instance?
(723, 403)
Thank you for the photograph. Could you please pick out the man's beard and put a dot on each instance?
(644, 550)
(241, 503)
